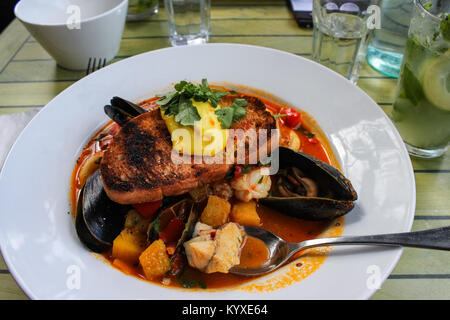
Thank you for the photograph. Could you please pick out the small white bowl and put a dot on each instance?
(72, 31)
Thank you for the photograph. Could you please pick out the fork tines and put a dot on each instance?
(94, 64)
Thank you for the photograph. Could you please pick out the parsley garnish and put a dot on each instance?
(156, 226)
(246, 168)
(178, 103)
(230, 114)
(276, 116)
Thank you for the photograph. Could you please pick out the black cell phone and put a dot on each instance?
(302, 10)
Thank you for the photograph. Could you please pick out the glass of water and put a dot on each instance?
(141, 9)
(341, 33)
(385, 51)
(189, 21)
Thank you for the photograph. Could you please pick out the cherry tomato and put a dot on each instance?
(173, 230)
(237, 171)
(313, 140)
(147, 209)
(292, 119)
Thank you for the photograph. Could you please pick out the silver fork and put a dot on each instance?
(94, 64)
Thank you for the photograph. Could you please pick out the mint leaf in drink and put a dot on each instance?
(412, 86)
(427, 5)
(445, 28)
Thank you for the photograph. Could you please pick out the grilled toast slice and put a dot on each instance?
(137, 166)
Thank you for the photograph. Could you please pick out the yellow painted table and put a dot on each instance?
(29, 78)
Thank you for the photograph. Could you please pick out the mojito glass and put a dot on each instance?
(421, 110)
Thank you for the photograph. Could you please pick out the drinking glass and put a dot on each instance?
(141, 9)
(385, 51)
(341, 33)
(189, 21)
(421, 109)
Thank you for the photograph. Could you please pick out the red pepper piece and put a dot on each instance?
(147, 209)
(173, 230)
(237, 171)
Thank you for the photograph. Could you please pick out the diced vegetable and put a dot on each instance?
(154, 260)
(216, 212)
(136, 221)
(173, 231)
(128, 245)
(245, 214)
(147, 209)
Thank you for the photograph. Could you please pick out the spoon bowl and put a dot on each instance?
(280, 251)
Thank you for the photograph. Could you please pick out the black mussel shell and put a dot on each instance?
(98, 220)
(122, 111)
(336, 194)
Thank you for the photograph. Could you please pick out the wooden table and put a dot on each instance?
(29, 78)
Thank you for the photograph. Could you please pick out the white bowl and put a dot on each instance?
(72, 31)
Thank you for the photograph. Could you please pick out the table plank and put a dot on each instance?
(414, 289)
(9, 290)
(11, 41)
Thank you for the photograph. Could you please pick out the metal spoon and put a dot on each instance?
(280, 251)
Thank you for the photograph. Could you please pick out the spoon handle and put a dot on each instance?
(438, 238)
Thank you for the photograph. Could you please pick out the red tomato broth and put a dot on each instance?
(288, 228)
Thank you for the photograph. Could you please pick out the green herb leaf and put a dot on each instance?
(246, 168)
(187, 113)
(232, 113)
(178, 103)
(276, 116)
(156, 226)
(225, 116)
(427, 5)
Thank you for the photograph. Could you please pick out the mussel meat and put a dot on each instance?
(308, 188)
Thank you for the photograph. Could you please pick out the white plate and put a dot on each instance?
(37, 235)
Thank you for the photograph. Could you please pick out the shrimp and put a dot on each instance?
(252, 185)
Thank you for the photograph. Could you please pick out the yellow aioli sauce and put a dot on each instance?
(205, 137)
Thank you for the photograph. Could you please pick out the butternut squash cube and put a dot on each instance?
(216, 212)
(154, 260)
(245, 214)
(128, 245)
